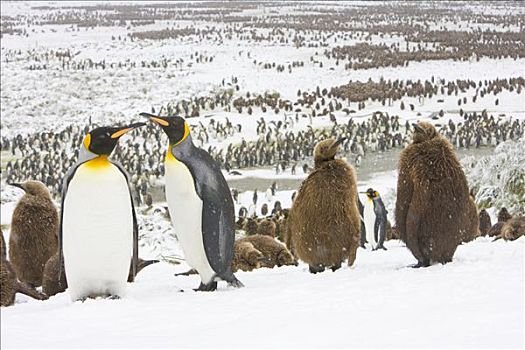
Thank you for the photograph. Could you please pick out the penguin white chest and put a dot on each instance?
(185, 207)
(97, 231)
(369, 218)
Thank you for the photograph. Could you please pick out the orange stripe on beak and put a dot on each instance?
(120, 133)
(159, 121)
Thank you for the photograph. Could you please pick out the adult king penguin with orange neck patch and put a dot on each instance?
(200, 205)
(98, 228)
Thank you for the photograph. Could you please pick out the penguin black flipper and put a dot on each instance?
(135, 256)
(215, 233)
(218, 213)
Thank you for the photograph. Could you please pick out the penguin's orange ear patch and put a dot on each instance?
(87, 141)
(119, 133)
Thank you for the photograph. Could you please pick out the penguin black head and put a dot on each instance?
(423, 131)
(175, 127)
(371, 193)
(102, 141)
(326, 149)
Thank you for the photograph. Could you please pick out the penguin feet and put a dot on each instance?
(377, 248)
(334, 268)
(210, 287)
(316, 269)
(420, 264)
(187, 273)
(234, 282)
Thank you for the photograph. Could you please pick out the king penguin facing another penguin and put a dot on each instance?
(98, 232)
(200, 205)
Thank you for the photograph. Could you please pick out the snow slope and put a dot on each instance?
(475, 301)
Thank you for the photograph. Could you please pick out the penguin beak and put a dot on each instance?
(15, 184)
(417, 128)
(156, 119)
(338, 142)
(126, 129)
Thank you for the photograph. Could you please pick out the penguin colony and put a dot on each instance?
(278, 145)
(205, 222)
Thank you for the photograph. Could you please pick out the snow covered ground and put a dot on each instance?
(474, 302)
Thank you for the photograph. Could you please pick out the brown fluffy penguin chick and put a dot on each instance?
(245, 257)
(503, 217)
(434, 212)
(274, 253)
(513, 229)
(9, 283)
(33, 238)
(52, 285)
(251, 226)
(267, 228)
(484, 222)
(324, 221)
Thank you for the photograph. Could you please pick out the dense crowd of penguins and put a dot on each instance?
(46, 156)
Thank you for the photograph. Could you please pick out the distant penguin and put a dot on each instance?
(324, 219)
(375, 219)
(264, 209)
(33, 237)
(246, 257)
(484, 222)
(99, 232)
(513, 229)
(434, 211)
(503, 217)
(274, 252)
(200, 205)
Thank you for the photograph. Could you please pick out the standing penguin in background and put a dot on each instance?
(200, 205)
(375, 219)
(98, 232)
(33, 238)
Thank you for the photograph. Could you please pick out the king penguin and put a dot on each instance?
(375, 219)
(200, 205)
(98, 228)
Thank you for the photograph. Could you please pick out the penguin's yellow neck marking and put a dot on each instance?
(169, 155)
(98, 162)
(186, 133)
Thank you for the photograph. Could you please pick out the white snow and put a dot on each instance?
(475, 301)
